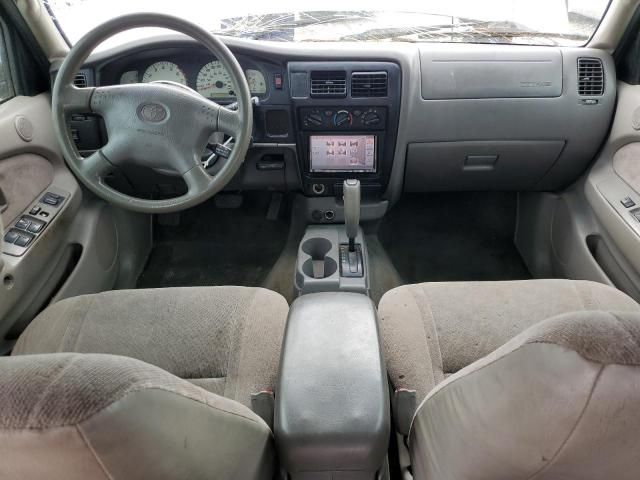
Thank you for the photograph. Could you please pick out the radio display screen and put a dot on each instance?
(342, 153)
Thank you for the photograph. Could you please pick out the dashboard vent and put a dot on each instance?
(369, 84)
(328, 84)
(80, 80)
(590, 77)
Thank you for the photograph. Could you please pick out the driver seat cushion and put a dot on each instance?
(224, 339)
(432, 330)
(76, 416)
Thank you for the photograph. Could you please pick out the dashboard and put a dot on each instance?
(399, 117)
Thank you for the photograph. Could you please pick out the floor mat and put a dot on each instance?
(217, 246)
(453, 237)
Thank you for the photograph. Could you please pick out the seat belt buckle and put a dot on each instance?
(404, 407)
(263, 404)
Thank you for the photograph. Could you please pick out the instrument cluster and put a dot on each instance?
(210, 80)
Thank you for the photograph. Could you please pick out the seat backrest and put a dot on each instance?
(561, 400)
(79, 416)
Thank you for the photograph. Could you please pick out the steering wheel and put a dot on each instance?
(154, 125)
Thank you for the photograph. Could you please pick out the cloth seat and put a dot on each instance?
(530, 379)
(431, 330)
(224, 339)
(74, 406)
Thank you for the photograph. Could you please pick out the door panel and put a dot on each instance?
(612, 189)
(29, 167)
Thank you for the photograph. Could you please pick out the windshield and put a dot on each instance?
(535, 22)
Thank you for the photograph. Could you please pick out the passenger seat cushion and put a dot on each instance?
(431, 330)
(560, 400)
(224, 339)
(104, 416)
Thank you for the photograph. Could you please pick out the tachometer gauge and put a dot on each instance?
(256, 81)
(214, 81)
(129, 77)
(164, 71)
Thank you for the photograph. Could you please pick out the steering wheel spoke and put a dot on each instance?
(229, 122)
(76, 100)
(95, 166)
(197, 179)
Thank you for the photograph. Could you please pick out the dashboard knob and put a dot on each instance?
(371, 118)
(342, 117)
(314, 119)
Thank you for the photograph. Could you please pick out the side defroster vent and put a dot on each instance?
(80, 80)
(590, 77)
(328, 84)
(368, 84)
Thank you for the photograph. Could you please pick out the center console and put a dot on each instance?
(347, 121)
(332, 408)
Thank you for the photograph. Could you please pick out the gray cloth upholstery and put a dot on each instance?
(86, 416)
(431, 330)
(224, 339)
(560, 400)
(22, 178)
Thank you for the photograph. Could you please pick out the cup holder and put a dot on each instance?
(316, 248)
(319, 265)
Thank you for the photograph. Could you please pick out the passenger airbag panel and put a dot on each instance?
(490, 72)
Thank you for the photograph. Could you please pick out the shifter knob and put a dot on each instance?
(351, 197)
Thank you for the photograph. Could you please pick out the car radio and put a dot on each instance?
(346, 114)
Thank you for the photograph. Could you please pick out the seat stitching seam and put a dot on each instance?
(579, 295)
(572, 430)
(245, 320)
(43, 394)
(93, 452)
(436, 339)
(83, 322)
(66, 330)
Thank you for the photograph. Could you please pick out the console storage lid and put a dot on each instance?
(332, 403)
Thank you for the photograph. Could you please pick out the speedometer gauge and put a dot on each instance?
(164, 71)
(214, 81)
(256, 81)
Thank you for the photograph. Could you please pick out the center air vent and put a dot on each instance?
(80, 80)
(590, 77)
(368, 84)
(329, 84)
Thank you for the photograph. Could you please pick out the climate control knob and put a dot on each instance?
(370, 118)
(342, 118)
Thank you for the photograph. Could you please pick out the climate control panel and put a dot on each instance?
(343, 119)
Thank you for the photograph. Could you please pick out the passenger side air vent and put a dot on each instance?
(329, 84)
(80, 80)
(368, 84)
(590, 77)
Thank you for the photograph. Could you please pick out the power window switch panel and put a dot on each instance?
(23, 240)
(23, 223)
(627, 202)
(52, 199)
(11, 236)
(36, 226)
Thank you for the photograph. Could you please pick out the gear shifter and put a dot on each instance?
(351, 197)
(351, 254)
